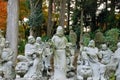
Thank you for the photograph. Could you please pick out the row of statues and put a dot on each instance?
(35, 64)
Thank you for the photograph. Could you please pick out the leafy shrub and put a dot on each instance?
(111, 38)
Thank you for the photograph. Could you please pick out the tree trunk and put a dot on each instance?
(68, 1)
(81, 26)
(12, 26)
(49, 27)
(62, 12)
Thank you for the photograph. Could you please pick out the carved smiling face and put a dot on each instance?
(84, 70)
(22, 67)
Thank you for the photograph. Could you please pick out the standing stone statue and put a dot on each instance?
(59, 41)
(7, 63)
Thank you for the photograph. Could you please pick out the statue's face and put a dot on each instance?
(22, 67)
(85, 70)
(104, 46)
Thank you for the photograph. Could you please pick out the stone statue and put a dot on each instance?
(59, 42)
(73, 38)
(7, 63)
(84, 71)
(92, 53)
(39, 44)
(117, 56)
(70, 71)
(30, 47)
(35, 68)
(105, 54)
(99, 38)
(2, 42)
(22, 66)
(33, 54)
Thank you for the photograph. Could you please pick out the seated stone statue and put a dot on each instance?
(7, 63)
(22, 66)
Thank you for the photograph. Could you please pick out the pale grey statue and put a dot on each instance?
(47, 55)
(33, 54)
(59, 42)
(30, 47)
(84, 70)
(34, 72)
(70, 70)
(7, 63)
(22, 66)
(105, 54)
(39, 44)
(117, 56)
(92, 53)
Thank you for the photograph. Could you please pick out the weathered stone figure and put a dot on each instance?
(34, 57)
(7, 63)
(30, 47)
(22, 66)
(73, 38)
(59, 41)
(39, 44)
(92, 53)
(34, 71)
(105, 54)
(117, 56)
(84, 70)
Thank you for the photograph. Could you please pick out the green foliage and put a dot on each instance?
(45, 38)
(36, 18)
(111, 37)
(86, 39)
(21, 46)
